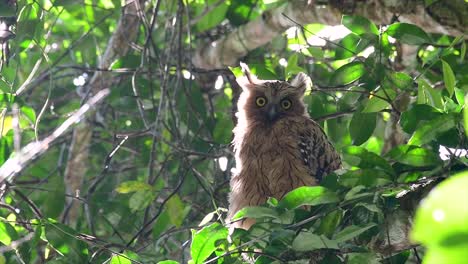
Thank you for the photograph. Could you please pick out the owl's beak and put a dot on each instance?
(272, 113)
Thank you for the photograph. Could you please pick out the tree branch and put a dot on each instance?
(228, 50)
(16, 164)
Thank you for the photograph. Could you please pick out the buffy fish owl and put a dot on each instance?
(277, 146)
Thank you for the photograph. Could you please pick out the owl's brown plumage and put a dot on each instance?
(277, 146)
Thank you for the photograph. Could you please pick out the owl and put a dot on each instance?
(277, 146)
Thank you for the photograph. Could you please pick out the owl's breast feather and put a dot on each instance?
(271, 160)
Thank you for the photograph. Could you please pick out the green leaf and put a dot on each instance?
(7, 233)
(177, 210)
(29, 24)
(427, 132)
(330, 222)
(401, 257)
(256, 212)
(351, 232)
(365, 159)
(350, 46)
(168, 262)
(204, 242)
(6, 143)
(362, 126)
(29, 113)
(366, 177)
(463, 50)
(307, 195)
(189, 107)
(293, 68)
(66, 3)
(429, 2)
(410, 119)
(440, 221)
(429, 95)
(386, 47)
(348, 100)
(316, 106)
(223, 130)
(239, 13)
(374, 144)
(360, 258)
(212, 18)
(161, 224)
(307, 241)
(449, 78)
(141, 199)
(370, 207)
(399, 80)
(359, 25)
(376, 103)
(419, 157)
(117, 259)
(263, 71)
(408, 33)
(452, 255)
(125, 258)
(356, 193)
(421, 92)
(459, 95)
(133, 186)
(451, 106)
(314, 52)
(457, 40)
(348, 73)
(63, 239)
(54, 202)
(6, 98)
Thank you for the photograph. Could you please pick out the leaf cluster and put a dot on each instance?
(158, 161)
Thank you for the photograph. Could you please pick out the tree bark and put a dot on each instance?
(444, 16)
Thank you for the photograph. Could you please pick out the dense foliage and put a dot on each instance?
(159, 161)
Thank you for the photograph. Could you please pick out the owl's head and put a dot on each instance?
(271, 100)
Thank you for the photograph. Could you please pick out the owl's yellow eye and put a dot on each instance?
(286, 104)
(261, 101)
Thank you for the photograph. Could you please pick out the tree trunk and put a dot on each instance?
(119, 45)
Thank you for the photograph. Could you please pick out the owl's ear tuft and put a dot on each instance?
(248, 80)
(301, 82)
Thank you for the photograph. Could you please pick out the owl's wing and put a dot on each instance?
(317, 152)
